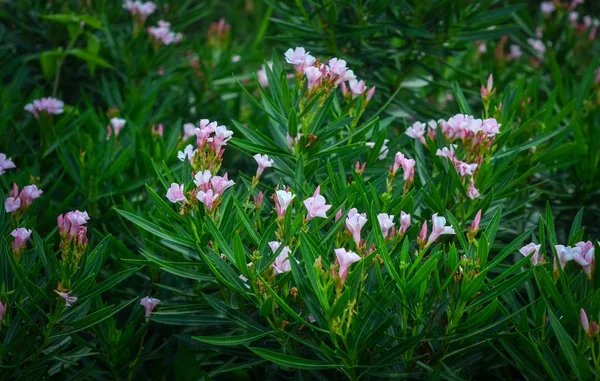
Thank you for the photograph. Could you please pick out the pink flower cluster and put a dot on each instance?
(5, 163)
(582, 253)
(21, 235)
(210, 140)
(588, 23)
(139, 10)
(48, 106)
(464, 127)
(463, 169)
(162, 34)
(386, 223)
(21, 200)
(73, 225)
(209, 188)
(329, 75)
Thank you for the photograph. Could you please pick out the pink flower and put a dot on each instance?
(475, 225)
(573, 17)
(189, 130)
(139, 9)
(28, 194)
(336, 70)
(472, 192)
(383, 151)
(283, 198)
(417, 132)
(46, 105)
(345, 259)
(535, 249)
(117, 125)
(566, 254)
(261, 75)
(355, 222)
(3, 307)
(439, 228)
(71, 222)
(422, 235)
(258, 200)
(204, 131)
(159, 131)
(585, 256)
(370, 93)
(220, 184)
(21, 236)
(263, 162)
(585, 324)
(187, 153)
(547, 7)
(490, 127)
(514, 52)
(408, 166)
(357, 87)
(313, 76)
(5, 163)
(282, 263)
(176, 193)
(162, 35)
(67, 297)
(299, 58)
(464, 169)
(222, 136)
(315, 205)
(404, 222)
(338, 215)
(207, 198)
(537, 45)
(386, 222)
(447, 152)
(149, 304)
(202, 180)
(12, 204)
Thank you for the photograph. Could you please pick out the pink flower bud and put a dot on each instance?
(338, 215)
(370, 93)
(258, 200)
(584, 321)
(475, 225)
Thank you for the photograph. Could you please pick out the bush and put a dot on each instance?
(372, 190)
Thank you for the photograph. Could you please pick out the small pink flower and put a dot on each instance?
(3, 308)
(354, 223)
(566, 254)
(475, 225)
(282, 263)
(472, 192)
(117, 125)
(21, 236)
(149, 304)
(176, 193)
(585, 324)
(417, 132)
(422, 235)
(189, 130)
(71, 222)
(337, 69)
(5, 163)
(357, 87)
(263, 162)
(203, 132)
(258, 200)
(261, 75)
(220, 184)
(338, 215)
(316, 205)
(12, 204)
(49, 106)
(370, 93)
(547, 7)
(207, 198)
(158, 131)
(313, 76)
(585, 256)
(464, 169)
(283, 199)
(537, 45)
(28, 194)
(404, 222)
(202, 180)
(300, 58)
(532, 248)
(386, 222)
(438, 228)
(447, 152)
(67, 297)
(188, 153)
(222, 136)
(140, 9)
(408, 166)
(514, 52)
(162, 35)
(345, 259)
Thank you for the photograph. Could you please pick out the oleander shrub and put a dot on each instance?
(299, 189)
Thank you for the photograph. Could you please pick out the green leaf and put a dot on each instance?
(89, 58)
(231, 341)
(292, 361)
(565, 343)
